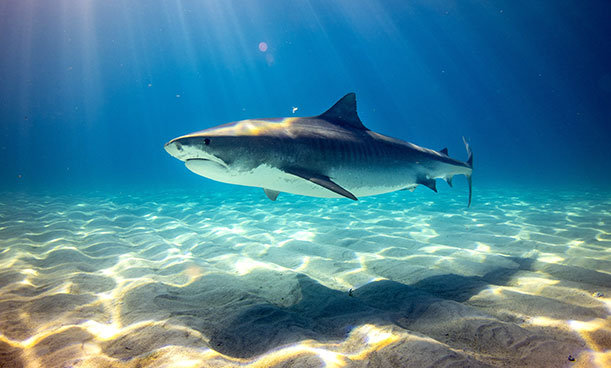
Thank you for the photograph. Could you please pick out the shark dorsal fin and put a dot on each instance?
(344, 113)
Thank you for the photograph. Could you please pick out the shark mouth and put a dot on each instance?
(209, 168)
(212, 159)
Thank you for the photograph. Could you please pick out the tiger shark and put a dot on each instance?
(332, 155)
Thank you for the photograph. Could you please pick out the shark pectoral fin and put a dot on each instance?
(427, 182)
(323, 181)
(327, 183)
(271, 194)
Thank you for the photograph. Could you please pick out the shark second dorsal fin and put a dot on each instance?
(344, 113)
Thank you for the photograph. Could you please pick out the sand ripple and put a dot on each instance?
(230, 279)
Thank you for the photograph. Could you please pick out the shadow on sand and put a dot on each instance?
(245, 325)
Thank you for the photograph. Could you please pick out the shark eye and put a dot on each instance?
(206, 141)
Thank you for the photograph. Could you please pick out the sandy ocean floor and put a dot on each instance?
(183, 279)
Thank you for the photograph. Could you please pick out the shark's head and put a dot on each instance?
(209, 152)
(197, 146)
(225, 150)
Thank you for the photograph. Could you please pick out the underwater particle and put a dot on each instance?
(149, 85)
(270, 59)
(295, 109)
(262, 46)
(19, 176)
(177, 96)
(571, 358)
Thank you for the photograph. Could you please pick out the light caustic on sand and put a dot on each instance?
(222, 280)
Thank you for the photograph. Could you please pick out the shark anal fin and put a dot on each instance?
(271, 194)
(323, 181)
(427, 182)
(444, 151)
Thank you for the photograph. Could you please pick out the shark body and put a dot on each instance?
(331, 155)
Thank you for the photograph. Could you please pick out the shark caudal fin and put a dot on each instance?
(470, 164)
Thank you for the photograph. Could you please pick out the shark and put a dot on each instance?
(331, 155)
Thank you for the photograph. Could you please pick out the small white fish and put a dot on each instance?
(295, 109)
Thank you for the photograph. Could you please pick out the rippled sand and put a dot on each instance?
(182, 279)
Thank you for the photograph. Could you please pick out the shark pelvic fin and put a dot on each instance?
(431, 183)
(444, 151)
(344, 113)
(411, 188)
(271, 194)
(323, 181)
(449, 180)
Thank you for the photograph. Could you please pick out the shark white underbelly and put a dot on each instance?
(272, 178)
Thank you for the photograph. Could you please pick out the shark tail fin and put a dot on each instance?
(470, 164)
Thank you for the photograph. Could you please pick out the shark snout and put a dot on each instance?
(190, 148)
(174, 148)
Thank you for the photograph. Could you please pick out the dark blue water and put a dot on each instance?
(91, 90)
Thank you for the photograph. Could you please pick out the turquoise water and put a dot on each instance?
(185, 278)
(113, 254)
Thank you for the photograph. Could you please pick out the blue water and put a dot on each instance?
(91, 90)
(112, 253)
